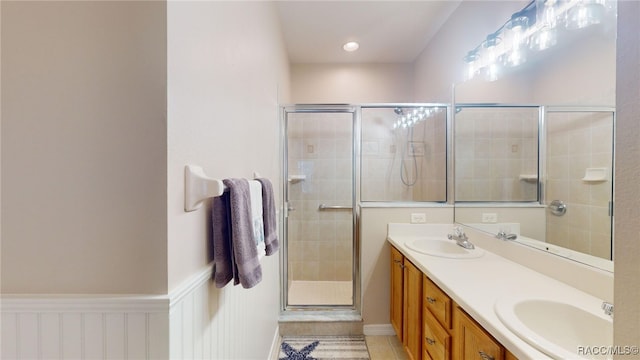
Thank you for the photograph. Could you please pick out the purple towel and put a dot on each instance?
(269, 217)
(247, 269)
(221, 236)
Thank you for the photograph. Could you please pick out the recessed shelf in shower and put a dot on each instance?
(595, 175)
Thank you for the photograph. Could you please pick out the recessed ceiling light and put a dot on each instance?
(351, 46)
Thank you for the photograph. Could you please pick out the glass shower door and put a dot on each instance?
(320, 217)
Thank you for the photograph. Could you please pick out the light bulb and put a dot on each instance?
(544, 39)
(585, 13)
(492, 72)
(471, 64)
(351, 46)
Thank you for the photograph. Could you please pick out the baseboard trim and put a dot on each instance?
(378, 330)
(274, 352)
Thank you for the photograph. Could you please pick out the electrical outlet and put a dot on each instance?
(489, 217)
(418, 218)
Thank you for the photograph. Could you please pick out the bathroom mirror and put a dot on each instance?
(544, 170)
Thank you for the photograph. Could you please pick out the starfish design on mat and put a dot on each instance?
(303, 354)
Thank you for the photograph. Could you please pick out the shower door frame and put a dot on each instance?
(354, 110)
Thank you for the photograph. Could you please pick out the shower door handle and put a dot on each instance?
(333, 207)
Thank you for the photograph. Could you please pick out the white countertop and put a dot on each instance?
(476, 284)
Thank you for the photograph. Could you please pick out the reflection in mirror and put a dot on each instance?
(496, 189)
(574, 167)
(579, 160)
(404, 153)
(496, 153)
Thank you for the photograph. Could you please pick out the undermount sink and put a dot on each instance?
(558, 329)
(442, 248)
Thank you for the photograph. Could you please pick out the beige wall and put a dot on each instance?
(627, 212)
(571, 73)
(440, 65)
(226, 67)
(589, 66)
(226, 70)
(351, 83)
(375, 255)
(84, 147)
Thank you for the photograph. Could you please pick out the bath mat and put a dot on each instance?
(323, 347)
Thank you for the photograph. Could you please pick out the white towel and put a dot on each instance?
(255, 190)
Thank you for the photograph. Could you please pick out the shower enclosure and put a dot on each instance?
(320, 201)
(337, 159)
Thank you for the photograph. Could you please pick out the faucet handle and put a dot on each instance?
(460, 233)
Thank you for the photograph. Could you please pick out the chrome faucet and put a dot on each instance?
(608, 308)
(461, 238)
(502, 235)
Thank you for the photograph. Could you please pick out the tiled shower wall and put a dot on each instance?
(320, 242)
(496, 154)
(384, 149)
(577, 141)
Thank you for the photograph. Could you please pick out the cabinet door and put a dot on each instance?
(396, 291)
(437, 341)
(472, 341)
(412, 314)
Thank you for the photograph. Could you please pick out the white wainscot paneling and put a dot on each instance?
(196, 321)
(211, 323)
(65, 327)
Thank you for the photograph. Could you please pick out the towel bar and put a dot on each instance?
(199, 187)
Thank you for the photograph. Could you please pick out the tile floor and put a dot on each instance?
(385, 348)
(320, 293)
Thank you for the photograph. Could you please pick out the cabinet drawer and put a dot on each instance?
(438, 303)
(437, 341)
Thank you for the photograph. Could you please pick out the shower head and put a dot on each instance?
(398, 111)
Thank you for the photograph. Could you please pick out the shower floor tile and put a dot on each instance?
(320, 293)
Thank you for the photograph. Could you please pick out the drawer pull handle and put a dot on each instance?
(430, 341)
(431, 300)
(485, 356)
(399, 262)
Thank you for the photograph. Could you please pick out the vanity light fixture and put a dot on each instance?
(534, 28)
(351, 46)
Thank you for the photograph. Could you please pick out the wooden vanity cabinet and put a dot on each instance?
(429, 323)
(397, 279)
(472, 341)
(412, 311)
(437, 322)
(406, 303)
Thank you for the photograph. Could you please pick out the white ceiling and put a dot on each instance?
(388, 31)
